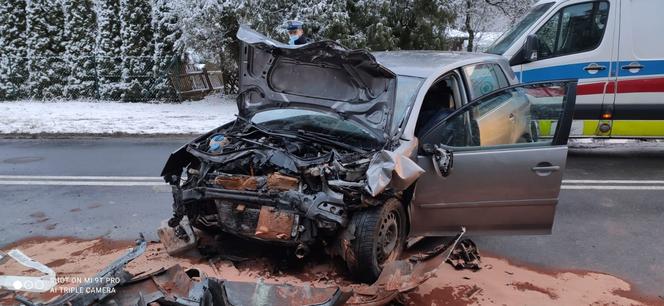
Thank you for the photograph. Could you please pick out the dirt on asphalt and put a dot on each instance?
(499, 282)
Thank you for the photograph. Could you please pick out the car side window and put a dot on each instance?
(484, 78)
(573, 29)
(439, 102)
(526, 114)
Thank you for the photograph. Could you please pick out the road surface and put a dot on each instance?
(609, 218)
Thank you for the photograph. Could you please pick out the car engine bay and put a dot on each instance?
(272, 186)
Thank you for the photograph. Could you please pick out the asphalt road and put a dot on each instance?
(612, 223)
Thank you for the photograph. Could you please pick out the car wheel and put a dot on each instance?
(380, 234)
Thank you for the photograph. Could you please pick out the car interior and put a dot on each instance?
(439, 102)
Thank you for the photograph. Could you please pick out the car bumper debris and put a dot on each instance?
(465, 256)
(179, 286)
(83, 295)
(37, 283)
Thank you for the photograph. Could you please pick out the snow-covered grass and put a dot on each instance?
(102, 117)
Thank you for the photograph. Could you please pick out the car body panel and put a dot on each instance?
(322, 75)
(488, 192)
(494, 188)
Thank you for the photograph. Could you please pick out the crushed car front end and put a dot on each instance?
(312, 145)
(273, 186)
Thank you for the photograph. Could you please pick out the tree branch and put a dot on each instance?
(499, 4)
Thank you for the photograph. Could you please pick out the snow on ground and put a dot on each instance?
(100, 117)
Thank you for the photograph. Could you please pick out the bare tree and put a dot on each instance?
(475, 16)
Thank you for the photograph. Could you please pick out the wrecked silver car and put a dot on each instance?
(356, 152)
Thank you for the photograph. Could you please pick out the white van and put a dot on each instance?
(615, 48)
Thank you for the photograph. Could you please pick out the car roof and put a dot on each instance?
(425, 64)
(547, 1)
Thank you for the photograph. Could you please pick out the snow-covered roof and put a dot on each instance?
(481, 41)
(454, 33)
(544, 1)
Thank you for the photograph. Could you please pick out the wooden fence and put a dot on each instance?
(196, 84)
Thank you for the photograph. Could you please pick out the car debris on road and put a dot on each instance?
(465, 256)
(26, 283)
(176, 286)
(104, 279)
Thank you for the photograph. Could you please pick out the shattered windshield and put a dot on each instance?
(507, 40)
(407, 88)
(295, 120)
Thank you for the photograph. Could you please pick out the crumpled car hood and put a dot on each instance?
(323, 76)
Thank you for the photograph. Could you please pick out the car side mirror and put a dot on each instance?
(442, 159)
(529, 52)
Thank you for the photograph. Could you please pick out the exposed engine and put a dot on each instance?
(278, 187)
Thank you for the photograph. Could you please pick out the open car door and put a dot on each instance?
(507, 152)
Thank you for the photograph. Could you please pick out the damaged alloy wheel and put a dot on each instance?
(379, 239)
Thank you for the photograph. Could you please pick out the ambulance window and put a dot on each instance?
(575, 28)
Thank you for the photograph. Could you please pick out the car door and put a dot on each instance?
(579, 40)
(481, 79)
(496, 186)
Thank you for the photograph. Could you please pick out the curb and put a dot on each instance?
(93, 135)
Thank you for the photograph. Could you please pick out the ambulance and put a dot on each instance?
(615, 48)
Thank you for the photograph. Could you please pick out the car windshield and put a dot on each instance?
(294, 120)
(512, 35)
(407, 88)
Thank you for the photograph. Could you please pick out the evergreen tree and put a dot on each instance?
(109, 50)
(323, 19)
(401, 25)
(80, 32)
(166, 34)
(13, 51)
(213, 41)
(373, 24)
(46, 43)
(137, 49)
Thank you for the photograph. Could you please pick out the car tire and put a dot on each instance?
(380, 235)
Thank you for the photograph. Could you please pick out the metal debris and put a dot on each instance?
(27, 283)
(92, 291)
(187, 287)
(180, 287)
(404, 275)
(177, 239)
(465, 256)
(259, 293)
(170, 286)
